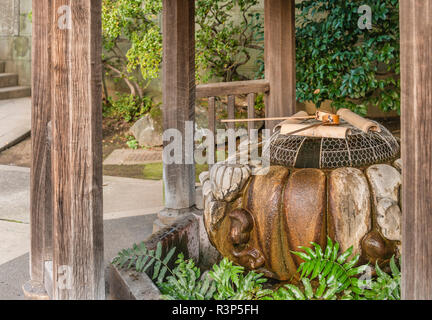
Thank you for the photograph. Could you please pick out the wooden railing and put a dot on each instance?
(230, 90)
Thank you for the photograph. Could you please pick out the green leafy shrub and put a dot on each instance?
(186, 283)
(224, 44)
(325, 275)
(127, 107)
(385, 286)
(331, 270)
(292, 292)
(337, 60)
(132, 143)
(224, 282)
(233, 284)
(132, 42)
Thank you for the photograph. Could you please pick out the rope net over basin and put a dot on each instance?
(358, 149)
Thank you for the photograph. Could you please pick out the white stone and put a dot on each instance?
(389, 217)
(386, 182)
(147, 132)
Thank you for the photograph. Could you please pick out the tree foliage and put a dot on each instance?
(337, 60)
(224, 43)
(132, 41)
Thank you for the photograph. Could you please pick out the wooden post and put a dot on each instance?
(77, 150)
(212, 114)
(40, 178)
(416, 83)
(280, 66)
(178, 92)
(251, 111)
(231, 111)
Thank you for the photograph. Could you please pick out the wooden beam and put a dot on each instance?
(231, 88)
(416, 86)
(76, 95)
(178, 92)
(40, 177)
(280, 66)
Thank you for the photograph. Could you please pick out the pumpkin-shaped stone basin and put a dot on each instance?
(257, 220)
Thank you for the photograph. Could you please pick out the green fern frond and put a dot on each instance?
(334, 271)
(187, 283)
(142, 259)
(385, 286)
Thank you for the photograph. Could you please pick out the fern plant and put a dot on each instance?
(384, 287)
(186, 282)
(292, 292)
(324, 275)
(224, 282)
(233, 284)
(334, 272)
(141, 259)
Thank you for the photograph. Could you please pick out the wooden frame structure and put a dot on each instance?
(66, 177)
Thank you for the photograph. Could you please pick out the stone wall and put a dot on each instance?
(15, 38)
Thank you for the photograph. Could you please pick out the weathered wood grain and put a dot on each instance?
(178, 91)
(416, 104)
(251, 110)
(234, 88)
(40, 177)
(212, 114)
(231, 111)
(280, 67)
(77, 153)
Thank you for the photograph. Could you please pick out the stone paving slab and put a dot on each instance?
(131, 157)
(15, 121)
(129, 197)
(130, 207)
(123, 197)
(118, 234)
(14, 240)
(14, 194)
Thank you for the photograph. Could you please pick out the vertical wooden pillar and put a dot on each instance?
(77, 150)
(40, 181)
(416, 77)
(280, 66)
(179, 95)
